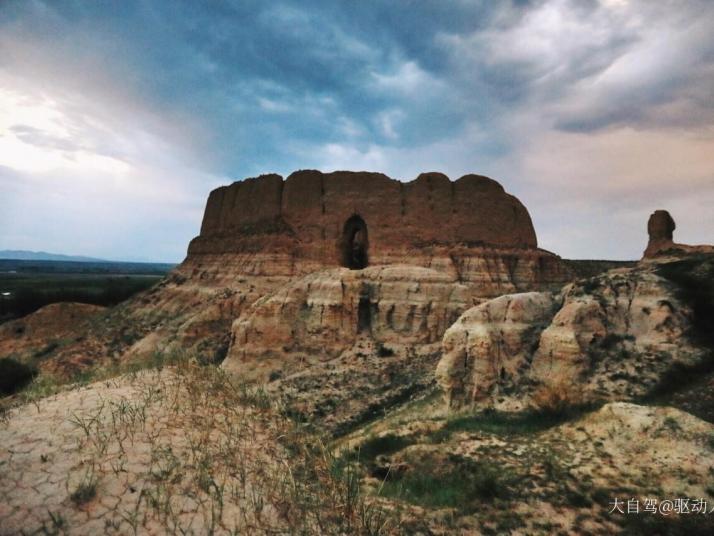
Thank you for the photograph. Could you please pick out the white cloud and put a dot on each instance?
(90, 171)
(407, 79)
(387, 122)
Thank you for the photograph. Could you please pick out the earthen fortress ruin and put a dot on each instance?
(313, 220)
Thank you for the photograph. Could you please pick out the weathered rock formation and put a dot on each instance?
(660, 228)
(491, 344)
(320, 315)
(613, 336)
(312, 211)
(359, 255)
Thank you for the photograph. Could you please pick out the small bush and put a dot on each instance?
(609, 341)
(590, 285)
(47, 350)
(14, 375)
(671, 424)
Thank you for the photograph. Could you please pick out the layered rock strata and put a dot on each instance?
(359, 256)
(322, 314)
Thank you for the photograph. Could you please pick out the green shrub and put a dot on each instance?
(14, 375)
(86, 490)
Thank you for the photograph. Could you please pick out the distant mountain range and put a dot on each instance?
(23, 255)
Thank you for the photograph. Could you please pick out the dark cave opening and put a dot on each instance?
(364, 315)
(354, 244)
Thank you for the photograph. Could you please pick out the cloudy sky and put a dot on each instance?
(118, 118)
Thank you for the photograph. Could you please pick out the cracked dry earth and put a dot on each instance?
(174, 451)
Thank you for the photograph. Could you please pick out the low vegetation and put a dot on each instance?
(191, 434)
(460, 483)
(86, 490)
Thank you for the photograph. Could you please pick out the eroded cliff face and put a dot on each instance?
(615, 336)
(316, 244)
(319, 316)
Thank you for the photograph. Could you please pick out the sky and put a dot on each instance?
(118, 118)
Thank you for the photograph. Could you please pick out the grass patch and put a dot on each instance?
(463, 485)
(86, 490)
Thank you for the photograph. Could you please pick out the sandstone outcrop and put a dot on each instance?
(660, 228)
(491, 344)
(614, 336)
(335, 251)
